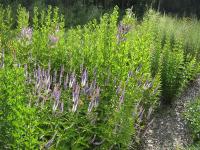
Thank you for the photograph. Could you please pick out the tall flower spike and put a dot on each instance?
(48, 85)
(55, 76)
(72, 80)
(66, 82)
(75, 105)
(56, 95)
(75, 95)
(148, 85)
(86, 89)
(53, 39)
(121, 99)
(138, 68)
(141, 113)
(91, 104)
(61, 74)
(97, 97)
(76, 92)
(47, 81)
(84, 78)
(94, 99)
(130, 74)
(38, 72)
(38, 77)
(43, 73)
(50, 142)
(27, 33)
(118, 89)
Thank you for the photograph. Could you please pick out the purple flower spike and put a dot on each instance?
(75, 105)
(61, 74)
(66, 82)
(27, 33)
(84, 78)
(96, 101)
(38, 72)
(48, 83)
(72, 80)
(118, 89)
(147, 85)
(93, 85)
(91, 105)
(75, 95)
(138, 68)
(43, 73)
(56, 95)
(141, 114)
(50, 142)
(121, 99)
(122, 30)
(54, 77)
(86, 89)
(53, 39)
(130, 74)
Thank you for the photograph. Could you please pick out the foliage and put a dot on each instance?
(169, 56)
(88, 87)
(192, 116)
(17, 118)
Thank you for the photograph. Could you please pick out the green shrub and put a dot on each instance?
(168, 56)
(17, 118)
(192, 116)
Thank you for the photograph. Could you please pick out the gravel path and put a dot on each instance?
(169, 130)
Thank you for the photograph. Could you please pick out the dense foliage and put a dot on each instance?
(89, 87)
(192, 116)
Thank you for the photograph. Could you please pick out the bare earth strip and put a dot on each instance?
(169, 130)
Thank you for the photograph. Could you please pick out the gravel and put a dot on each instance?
(169, 130)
